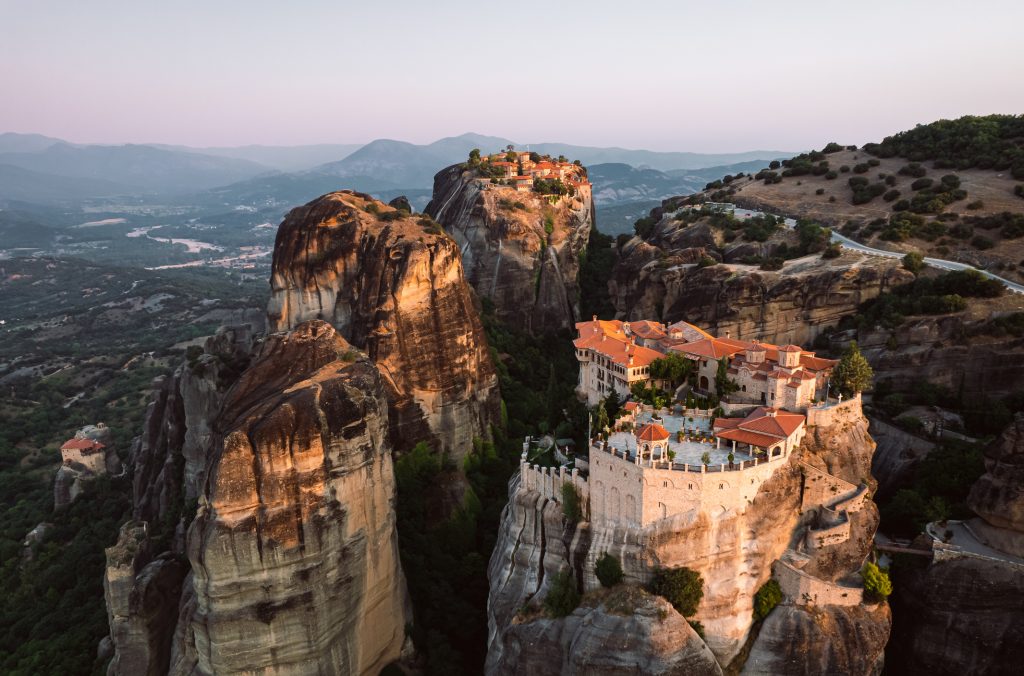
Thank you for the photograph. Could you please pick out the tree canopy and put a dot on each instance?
(852, 374)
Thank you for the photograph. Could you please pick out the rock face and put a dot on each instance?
(734, 551)
(658, 279)
(965, 615)
(648, 638)
(998, 496)
(294, 551)
(391, 284)
(519, 251)
(142, 602)
(937, 349)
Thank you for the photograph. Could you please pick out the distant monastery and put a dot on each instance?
(522, 172)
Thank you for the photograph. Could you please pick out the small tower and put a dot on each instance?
(789, 356)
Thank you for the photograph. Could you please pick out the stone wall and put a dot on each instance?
(847, 411)
(821, 488)
(802, 589)
(548, 482)
(627, 494)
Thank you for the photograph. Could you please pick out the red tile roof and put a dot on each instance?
(631, 406)
(609, 340)
(88, 445)
(652, 432)
(747, 437)
(709, 348)
(771, 425)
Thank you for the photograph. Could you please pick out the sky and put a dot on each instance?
(676, 75)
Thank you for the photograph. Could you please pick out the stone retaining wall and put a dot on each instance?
(802, 589)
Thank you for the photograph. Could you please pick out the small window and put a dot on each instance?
(664, 484)
(721, 486)
(690, 486)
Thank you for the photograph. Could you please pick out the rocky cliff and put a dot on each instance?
(294, 552)
(392, 284)
(519, 250)
(658, 278)
(734, 551)
(965, 614)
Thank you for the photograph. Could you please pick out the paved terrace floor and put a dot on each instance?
(674, 423)
(687, 452)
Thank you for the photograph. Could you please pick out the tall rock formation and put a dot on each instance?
(520, 251)
(392, 284)
(965, 614)
(294, 551)
(735, 551)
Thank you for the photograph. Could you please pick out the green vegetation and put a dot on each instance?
(673, 367)
(914, 262)
(682, 587)
(767, 597)
(724, 385)
(852, 374)
(571, 503)
(926, 295)
(876, 581)
(990, 142)
(552, 186)
(608, 570)
(563, 596)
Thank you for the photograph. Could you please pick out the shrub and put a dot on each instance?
(914, 262)
(608, 570)
(902, 205)
(891, 195)
(682, 587)
(876, 581)
(921, 184)
(831, 175)
(706, 262)
(1018, 190)
(774, 164)
(697, 627)
(832, 251)
(767, 597)
(563, 597)
(819, 191)
(571, 503)
(845, 169)
(861, 168)
(914, 170)
(982, 243)
(873, 162)
(890, 180)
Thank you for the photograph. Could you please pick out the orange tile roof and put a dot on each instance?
(773, 421)
(808, 361)
(652, 432)
(81, 445)
(608, 339)
(791, 348)
(709, 348)
(726, 423)
(631, 406)
(746, 437)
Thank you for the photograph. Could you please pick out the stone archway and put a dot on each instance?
(704, 384)
(614, 507)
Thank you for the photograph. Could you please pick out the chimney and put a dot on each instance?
(728, 334)
(595, 318)
(630, 361)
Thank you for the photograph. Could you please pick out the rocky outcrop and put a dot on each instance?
(71, 478)
(660, 279)
(392, 284)
(947, 350)
(897, 454)
(648, 635)
(294, 552)
(820, 640)
(142, 602)
(519, 250)
(169, 458)
(734, 551)
(965, 614)
(998, 496)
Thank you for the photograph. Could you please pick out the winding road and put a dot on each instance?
(848, 243)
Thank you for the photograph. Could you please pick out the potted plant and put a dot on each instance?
(706, 458)
(731, 459)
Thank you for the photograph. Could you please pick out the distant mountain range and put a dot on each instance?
(49, 170)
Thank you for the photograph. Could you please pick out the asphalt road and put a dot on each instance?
(940, 263)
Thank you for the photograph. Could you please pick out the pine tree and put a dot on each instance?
(852, 374)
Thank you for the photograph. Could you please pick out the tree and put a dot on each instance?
(682, 587)
(723, 383)
(767, 597)
(571, 503)
(600, 417)
(608, 570)
(705, 458)
(612, 404)
(877, 584)
(852, 374)
(673, 367)
(914, 262)
(474, 156)
(563, 597)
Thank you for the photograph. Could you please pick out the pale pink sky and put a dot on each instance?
(698, 76)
